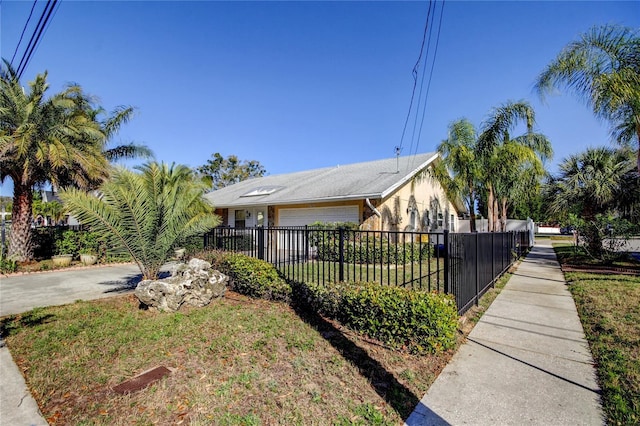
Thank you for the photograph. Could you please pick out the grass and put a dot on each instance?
(609, 309)
(237, 361)
(428, 275)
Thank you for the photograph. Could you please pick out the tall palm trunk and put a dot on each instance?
(496, 211)
(472, 210)
(20, 242)
(490, 211)
(503, 215)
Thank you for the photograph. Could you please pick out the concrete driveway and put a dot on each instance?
(20, 293)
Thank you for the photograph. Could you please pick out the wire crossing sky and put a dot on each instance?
(299, 85)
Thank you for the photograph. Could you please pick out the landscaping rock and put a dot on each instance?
(194, 284)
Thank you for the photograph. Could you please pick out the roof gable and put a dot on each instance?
(374, 179)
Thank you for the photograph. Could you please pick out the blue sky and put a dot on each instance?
(299, 85)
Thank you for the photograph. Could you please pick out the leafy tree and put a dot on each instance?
(459, 170)
(58, 140)
(145, 213)
(506, 162)
(589, 185)
(220, 172)
(603, 68)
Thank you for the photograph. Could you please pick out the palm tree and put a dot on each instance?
(603, 68)
(591, 183)
(502, 157)
(58, 140)
(44, 140)
(145, 213)
(458, 171)
(111, 126)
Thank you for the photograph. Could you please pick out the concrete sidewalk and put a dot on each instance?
(525, 362)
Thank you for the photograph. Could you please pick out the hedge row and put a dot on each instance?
(249, 276)
(415, 321)
(373, 252)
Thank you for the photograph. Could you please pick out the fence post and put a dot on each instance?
(447, 253)
(477, 269)
(341, 254)
(261, 232)
(493, 258)
(306, 243)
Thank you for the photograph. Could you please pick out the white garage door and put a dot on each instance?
(301, 217)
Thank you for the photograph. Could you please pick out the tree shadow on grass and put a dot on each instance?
(398, 396)
(13, 323)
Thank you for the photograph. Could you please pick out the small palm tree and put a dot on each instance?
(603, 68)
(591, 183)
(145, 213)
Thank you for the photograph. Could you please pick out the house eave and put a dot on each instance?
(408, 177)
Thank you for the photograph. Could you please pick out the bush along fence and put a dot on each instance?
(464, 265)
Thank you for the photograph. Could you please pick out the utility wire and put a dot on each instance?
(33, 36)
(414, 72)
(50, 6)
(433, 63)
(15, 52)
(424, 73)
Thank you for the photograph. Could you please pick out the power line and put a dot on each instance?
(33, 6)
(414, 72)
(33, 43)
(424, 73)
(433, 63)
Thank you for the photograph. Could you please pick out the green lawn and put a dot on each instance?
(609, 308)
(236, 361)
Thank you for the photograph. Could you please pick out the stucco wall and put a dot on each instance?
(419, 205)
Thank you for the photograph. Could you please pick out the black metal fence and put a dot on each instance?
(462, 264)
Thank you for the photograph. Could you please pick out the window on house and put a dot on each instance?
(452, 223)
(440, 220)
(240, 219)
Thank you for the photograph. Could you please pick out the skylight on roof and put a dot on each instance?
(262, 190)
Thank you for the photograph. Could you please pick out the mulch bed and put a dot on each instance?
(601, 269)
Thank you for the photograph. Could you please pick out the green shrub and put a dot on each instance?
(402, 318)
(44, 239)
(249, 276)
(8, 265)
(67, 243)
(373, 251)
(192, 244)
(326, 299)
(419, 322)
(88, 242)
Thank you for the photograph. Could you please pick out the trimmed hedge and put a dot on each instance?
(374, 251)
(249, 276)
(417, 321)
